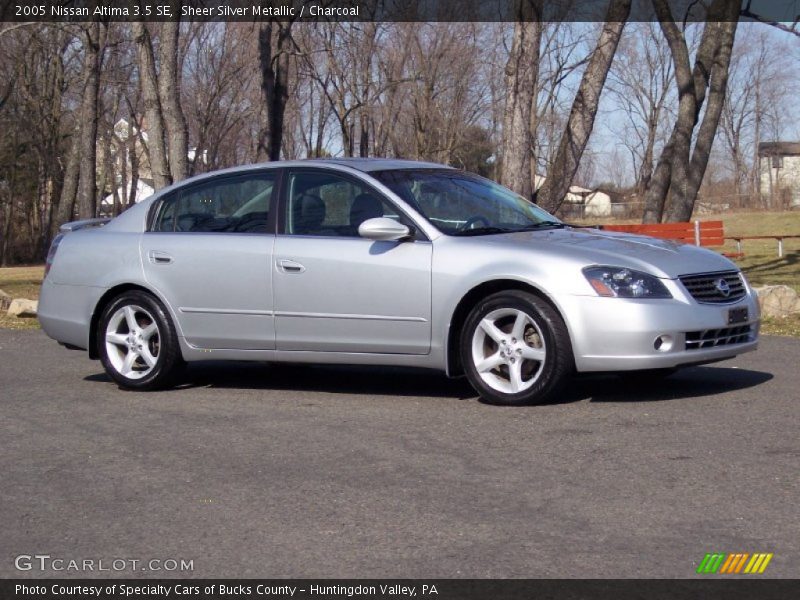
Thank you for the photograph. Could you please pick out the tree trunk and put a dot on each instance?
(755, 178)
(156, 144)
(274, 45)
(169, 94)
(8, 218)
(522, 72)
(363, 144)
(673, 172)
(584, 109)
(87, 149)
(683, 205)
(69, 190)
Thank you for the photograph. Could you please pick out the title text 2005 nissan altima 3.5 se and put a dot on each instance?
(384, 262)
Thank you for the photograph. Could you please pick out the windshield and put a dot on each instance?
(459, 203)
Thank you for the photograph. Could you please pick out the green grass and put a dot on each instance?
(760, 263)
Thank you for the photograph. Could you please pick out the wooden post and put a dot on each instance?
(780, 247)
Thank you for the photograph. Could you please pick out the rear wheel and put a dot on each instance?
(137, 342)
(515, 349)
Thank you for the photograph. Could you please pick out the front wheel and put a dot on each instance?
(137, 342)
(515, 349)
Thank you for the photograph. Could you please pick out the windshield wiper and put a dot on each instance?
(542, 225)
(482, 231)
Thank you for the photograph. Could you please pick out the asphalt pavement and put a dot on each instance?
(253, 470)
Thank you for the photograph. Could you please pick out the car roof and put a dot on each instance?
(365, 165)
(378, 164)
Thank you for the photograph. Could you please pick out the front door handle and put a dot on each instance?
(159, 258)
(290, 266)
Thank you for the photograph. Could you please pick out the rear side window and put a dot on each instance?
(238, 204)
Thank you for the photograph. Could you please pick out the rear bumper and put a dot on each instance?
(612, 334)
(65, 312)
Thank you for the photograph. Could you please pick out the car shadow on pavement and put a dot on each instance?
(335, 379)
(400, 381)
(692, 382)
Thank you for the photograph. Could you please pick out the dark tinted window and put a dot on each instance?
(237, 204)
(327, 204)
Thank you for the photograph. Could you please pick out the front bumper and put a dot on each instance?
(615, 334)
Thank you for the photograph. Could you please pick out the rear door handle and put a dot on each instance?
(289, 266)
(159, 258)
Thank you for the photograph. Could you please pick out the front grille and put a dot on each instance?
(696, 340)
(711, 288)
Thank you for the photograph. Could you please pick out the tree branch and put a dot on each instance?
(746, 12)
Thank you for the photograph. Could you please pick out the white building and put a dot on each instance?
(582, 202)
(779, 168)
(143, 190)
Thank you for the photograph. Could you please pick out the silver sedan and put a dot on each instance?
(384, 262)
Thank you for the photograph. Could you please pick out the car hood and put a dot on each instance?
(663, 258)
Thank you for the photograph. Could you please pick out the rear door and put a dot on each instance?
(209, 253)
(336, 291)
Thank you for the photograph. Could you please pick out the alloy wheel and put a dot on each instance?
(132, 341)
(508, 350)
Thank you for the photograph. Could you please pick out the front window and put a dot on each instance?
(459, 203)
(322, 203)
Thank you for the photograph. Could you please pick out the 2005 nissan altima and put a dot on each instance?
(384, 262)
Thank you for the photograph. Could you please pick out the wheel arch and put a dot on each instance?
(470, 299)
(104, 300)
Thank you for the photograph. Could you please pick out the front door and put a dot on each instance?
(336, 291)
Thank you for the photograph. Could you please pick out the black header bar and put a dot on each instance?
(786, 11)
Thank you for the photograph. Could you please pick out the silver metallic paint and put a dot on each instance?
(361, 301)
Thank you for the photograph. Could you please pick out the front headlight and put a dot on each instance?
(618, 282)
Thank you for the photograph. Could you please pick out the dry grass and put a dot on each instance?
(20, 282)
(760, 263)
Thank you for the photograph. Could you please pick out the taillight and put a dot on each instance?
(51, 254)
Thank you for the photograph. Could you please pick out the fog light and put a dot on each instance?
(663, 343)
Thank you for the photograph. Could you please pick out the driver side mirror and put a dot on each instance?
(383, 229)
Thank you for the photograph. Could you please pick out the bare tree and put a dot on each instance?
(793, 27)
(639, 82)
(87, 186)
(444, 97)
(341, 60)
(167, 139)
(584, 109)
(275, 45)
(521, 86)
(221, 93)
(169, 93)
(148, 80)
(761, 85)
(680, 169)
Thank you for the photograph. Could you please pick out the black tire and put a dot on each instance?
(545, 332)
(645, 376)
(162, 345)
